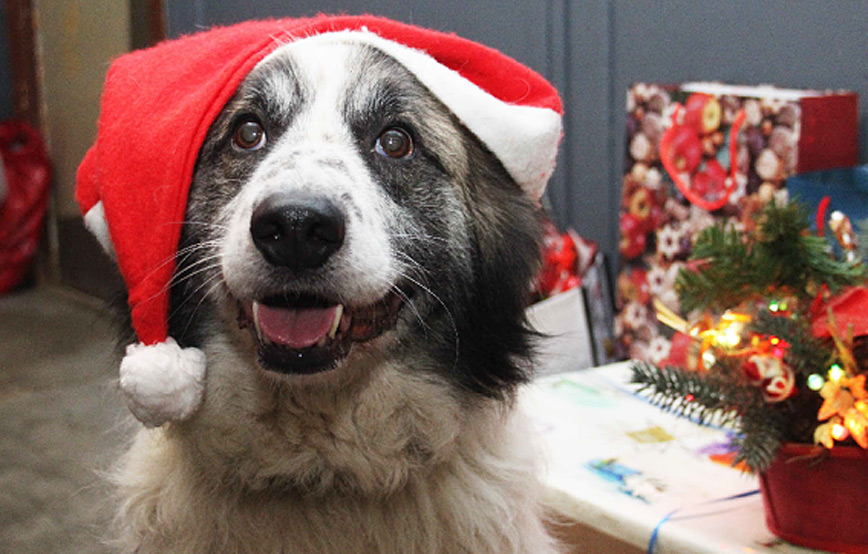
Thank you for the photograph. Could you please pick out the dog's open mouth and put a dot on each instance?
(307, 334)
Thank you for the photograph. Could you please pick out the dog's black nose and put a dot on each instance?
(298, 232)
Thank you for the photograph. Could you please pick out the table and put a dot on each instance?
(618, 466)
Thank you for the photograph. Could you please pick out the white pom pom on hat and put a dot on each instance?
(133, 183)
(162, 382)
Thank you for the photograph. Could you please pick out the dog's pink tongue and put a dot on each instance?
(295, 327)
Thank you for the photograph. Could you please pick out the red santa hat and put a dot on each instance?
(158, 105)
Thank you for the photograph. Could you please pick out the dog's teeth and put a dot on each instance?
(255, 310)
(339, 312)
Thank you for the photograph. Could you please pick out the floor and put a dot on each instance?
(61, 422)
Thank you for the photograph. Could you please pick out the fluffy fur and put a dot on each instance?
(410, 441)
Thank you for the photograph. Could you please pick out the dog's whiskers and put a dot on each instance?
(446, 309)
(407, 300)
(197, 268)
(207, 225)
(217, 283)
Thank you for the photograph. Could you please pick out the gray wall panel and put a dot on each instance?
(590, 197)
(519, 32)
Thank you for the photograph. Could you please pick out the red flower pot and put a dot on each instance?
(818, 498)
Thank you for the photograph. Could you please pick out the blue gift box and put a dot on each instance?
(847, 189)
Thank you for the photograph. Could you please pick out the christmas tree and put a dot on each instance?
(776, 338)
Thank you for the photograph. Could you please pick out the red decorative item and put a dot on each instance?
(633, 238)
(681, 149)
(704, 190)
(702, 113)
(849, 308)
(818, 500)
(560, 263)
(679, 352)
(28, 174)
(821, 215)
(770, 372)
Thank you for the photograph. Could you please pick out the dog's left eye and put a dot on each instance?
(394, 142)
(249, 135)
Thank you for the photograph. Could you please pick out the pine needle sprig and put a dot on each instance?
(701, 397)
(720, 282)
(760, 434)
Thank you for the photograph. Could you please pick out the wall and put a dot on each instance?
(77, 39)
(593, 49)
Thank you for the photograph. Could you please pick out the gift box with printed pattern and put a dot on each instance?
(698, 153)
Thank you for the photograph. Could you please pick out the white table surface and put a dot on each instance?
(591, 415)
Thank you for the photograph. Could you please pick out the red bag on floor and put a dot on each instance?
(23, 200)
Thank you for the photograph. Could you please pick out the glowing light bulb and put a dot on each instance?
(836, 372)
(816, 381)
(774, 306)
(731, 335)
(708, 358)
(839, 432)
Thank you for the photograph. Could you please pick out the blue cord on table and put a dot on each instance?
(652, 543)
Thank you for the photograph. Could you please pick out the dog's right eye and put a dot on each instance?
(394, 142)
(249, 135)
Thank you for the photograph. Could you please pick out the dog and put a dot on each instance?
(355, 265)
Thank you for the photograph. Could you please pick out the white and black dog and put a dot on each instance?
(355, 264)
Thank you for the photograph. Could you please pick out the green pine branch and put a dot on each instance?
(782, 255)
(760, 434)
(805, 354)
(701, 397)
(720, 283)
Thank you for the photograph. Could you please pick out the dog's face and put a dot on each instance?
(340, 216)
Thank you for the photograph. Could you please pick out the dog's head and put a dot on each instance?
(340, 212)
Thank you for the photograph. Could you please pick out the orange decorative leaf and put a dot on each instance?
(838, 403)
(857, 424)
(857, 387)
(823, 435)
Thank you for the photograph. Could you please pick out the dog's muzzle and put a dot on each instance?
(299, 332)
